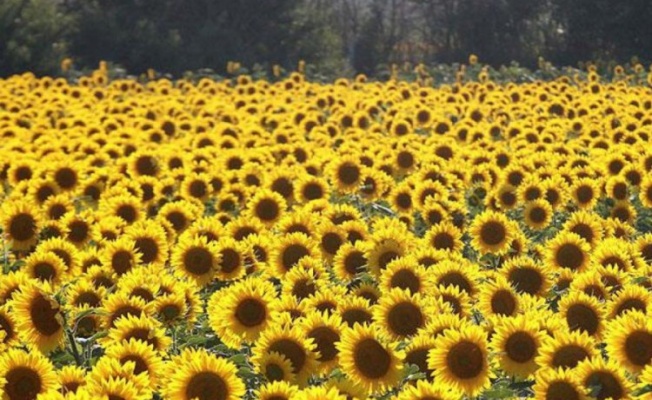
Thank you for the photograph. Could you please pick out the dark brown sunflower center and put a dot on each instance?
(465, 360)
(582, 317)
(584, 194)
(569, 356)
(127, 212)
(348, 174)
(561, 390)
(386, 257)
(356, 316)
(607, 385)
(443, 241)
(274, 373)
(230, 260)
(78, 231)
(455, 279)
(503, 302)
(570, 256)
(142, 334)
(251, 312)
(44, 316)
(177, 219)
(22, 227)
(304, 288)
(140, 364)
(146, 165)
(148, 248)
(638, 348)
(584, 231)
(371, 359)
(325, 339)
(405, 318)
(292, 254)
(526, 280)
(44, 271)
(66, 178)
(198, 189)
(6, 328)
(521, 347)
(313, 191)
(331, 242)
(198, 261)
(418, 357)
(406, 279)
(355, 262)
(292, 351)
(23, 383)
(538, 215)
(207, 386)
(122, 262)
(267, 210)
(493, 233)
(631, 304)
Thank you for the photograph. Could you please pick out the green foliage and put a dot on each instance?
(32, 34)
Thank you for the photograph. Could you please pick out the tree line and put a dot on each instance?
(336, 36)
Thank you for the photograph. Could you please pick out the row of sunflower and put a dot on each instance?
(294, 240)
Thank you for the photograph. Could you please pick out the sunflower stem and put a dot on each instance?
(73, 347)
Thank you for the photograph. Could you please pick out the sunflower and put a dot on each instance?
(195, 259)
(369, 358)
(46, 267)
(538, 214)
(350, 261)
(20, 223)
(144, 357)
(566, 350)
(142, 328)
(324, 330)
(289, 250)
(241, 312)
(346, 174)
(107, 228)
(585, 224)
(171, 308)
(424, 390)
(120, 304)
(267, 207)
(374, 184)
(444, 236)
(517, 341)
(630, 298)
(126, 207)
(569, 251)
(527, 276)
(39, 321)
(498, 298)
(401, 314)
(279, 390)
(179, 214)
(326, 299)
(77, 228)
(492, 233)
(416, 352)
(384, 251)
(71, 379)
(331, 237)
(300, 220)
(629, 341)
(451, 299)
(557, 384)
(151, 241)
(311, 188)
(406, 274)
(275, 368)
(304, 282)
(8, 334)
(585, 193)
(291, 343)
(26, 375)
(604, 379)
(231, 259)
(645, 191)
(120, 256)
(196, 186)
(456, 272)
(590, 283)
(582, 313)
(459, 359)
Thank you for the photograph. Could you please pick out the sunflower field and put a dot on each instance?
(284, 239)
